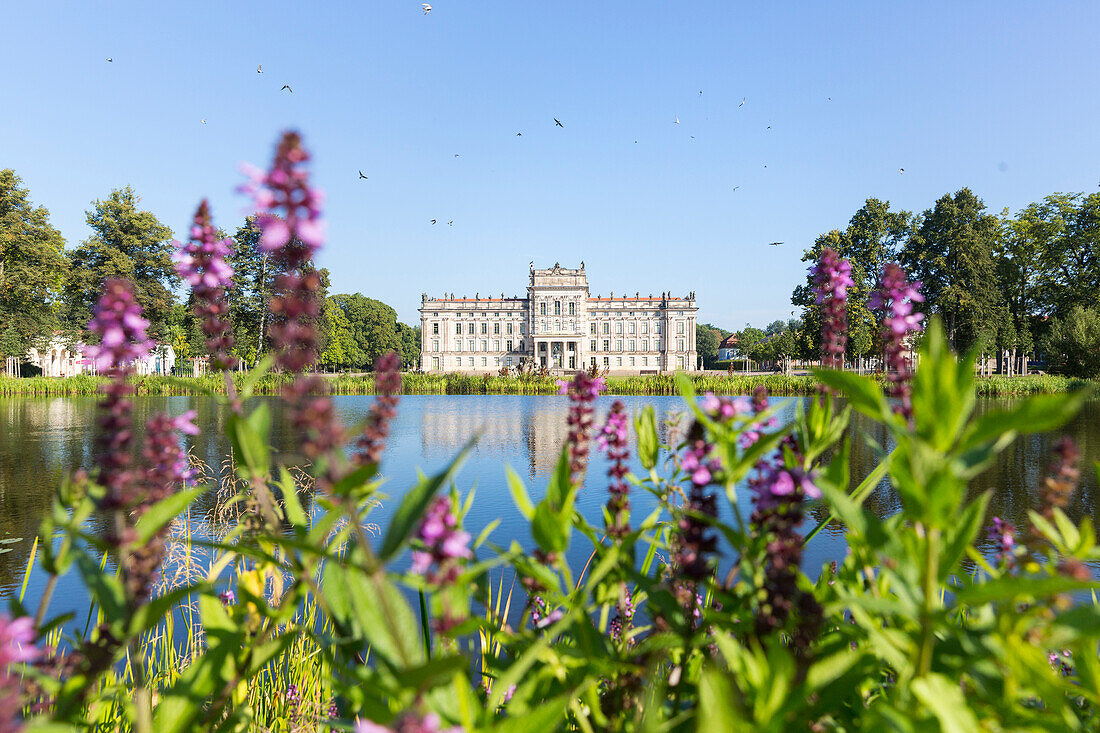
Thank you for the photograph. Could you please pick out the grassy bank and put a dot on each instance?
(455, 384)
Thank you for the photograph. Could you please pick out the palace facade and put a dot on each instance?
(558, 326)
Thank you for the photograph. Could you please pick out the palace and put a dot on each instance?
(560, 327)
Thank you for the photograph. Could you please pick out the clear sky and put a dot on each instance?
(1000, 96)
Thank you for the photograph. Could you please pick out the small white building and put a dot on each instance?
(160, 360)
(61, 358)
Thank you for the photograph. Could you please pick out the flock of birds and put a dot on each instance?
(558, 123)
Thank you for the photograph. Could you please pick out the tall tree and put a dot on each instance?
(126, 242)
(32, 267)
(1074, 342)
(410, 344)
(341, 343)
(250, 292)
(706, 344)
(952, 253)
(873, 237)
(373, 326)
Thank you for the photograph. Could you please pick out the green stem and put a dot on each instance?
(931, 575)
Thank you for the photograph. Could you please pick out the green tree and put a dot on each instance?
(373, 326)
(873, 237)
(341, 343)
(706, 344)
(1073, 342)
(410, 345)
(751, 342)
(952, 253)
(249, 293)
(32, 268)
(126, 242)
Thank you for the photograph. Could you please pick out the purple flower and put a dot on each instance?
(832, 277)
(613, 441)
(227, 597)
(387, 388)
(1003, 535)
(444, 544)
(583, 391)
(202, 264)
(894, 299)
(16, 647)
(118, 322)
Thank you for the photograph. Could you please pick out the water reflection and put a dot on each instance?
(43, 439)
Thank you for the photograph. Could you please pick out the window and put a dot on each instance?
(680, 362)
(658, 327)
(508, 329)
(509, 345)
(458, 328)
(606, 345)
(435, 328)
(606, 361)
(657, 346)
(471, 343)
(520, 346)
(508, 361)
(471, 360)
(679, 326)
(630, 327)
(496, 329)
(593, 361)
(592, 328)
(522, 327)
(592, 345)
(606, 327)
(496, 344)
(645, 361)
(435, 344)
(618, 361)
(572, 308)
(679, 344)
(618, 344)
(630, 345)
(435, 363)
(619, 327)
(557, 307)
(484, 361)
(470, 330)
(572, 362)
(645, 344)
(542, 309)
(484, 345)
(484, 328)
(632, 361)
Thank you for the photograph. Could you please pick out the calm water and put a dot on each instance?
(43, 439)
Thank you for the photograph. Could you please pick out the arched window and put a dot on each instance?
(557, 307)
(572, 308)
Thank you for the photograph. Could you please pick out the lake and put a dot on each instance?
(42, 439)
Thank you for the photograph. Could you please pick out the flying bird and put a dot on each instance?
(677, 121)
(109, 59)
(736, 187)
(362, 176)
(456, 155)
(558, 122)
(742, 102)
(519, 134)
(774, 244)
(287, 87)
(260, 69)
(203, 120)
(901, 170)
(451, 223)
(433, 222)
(700, 91)
(427, 8)
(769, 127)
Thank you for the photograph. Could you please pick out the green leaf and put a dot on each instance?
(181, 705)
(947, 702)
(544, 717)
(292, 506)
(863, 393)
(547, 528)
(249, 437)
(1007, 588)
(716, 707)
(560, 485)
(943, 390)
(158, 516)
(960, 535)
(645, 428)
(377, 612)
(519, 494)
(415, 503)
(105, 588)
(264, 653)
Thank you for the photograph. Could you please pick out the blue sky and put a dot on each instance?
(1001, 97)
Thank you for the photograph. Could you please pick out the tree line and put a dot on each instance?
(1015, 287)
(46, 288)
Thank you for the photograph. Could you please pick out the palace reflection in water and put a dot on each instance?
(41, 440)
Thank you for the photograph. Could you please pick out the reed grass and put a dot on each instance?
(485, 384)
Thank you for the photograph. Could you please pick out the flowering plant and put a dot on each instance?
(696, 616)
